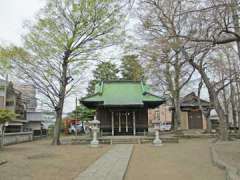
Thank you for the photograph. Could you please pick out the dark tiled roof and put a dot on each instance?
(192, 100)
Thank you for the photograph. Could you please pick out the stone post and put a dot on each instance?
(134, 124)
(157, 141)
(112, 123)
(95, 129)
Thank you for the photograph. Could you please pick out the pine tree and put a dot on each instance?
(104, 71)
(131, 69)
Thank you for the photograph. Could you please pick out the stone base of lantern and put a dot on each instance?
(157, 142)
(94, 144)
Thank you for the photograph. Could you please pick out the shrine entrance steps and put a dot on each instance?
(123, 140)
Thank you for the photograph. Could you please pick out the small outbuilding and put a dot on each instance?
(122, 106)
(191, 115)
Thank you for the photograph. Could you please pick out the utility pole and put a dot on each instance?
(76, 116)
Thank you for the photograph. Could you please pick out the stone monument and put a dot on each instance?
(157, 141)
(95, 128)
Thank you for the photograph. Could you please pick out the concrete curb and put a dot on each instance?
(3, 162)
(232, 173)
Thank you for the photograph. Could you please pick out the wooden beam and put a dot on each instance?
(126, 122)
(119, 121)
(134, 123)
(112, 123)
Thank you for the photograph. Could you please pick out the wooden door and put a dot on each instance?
(195, 120)
(120, 123)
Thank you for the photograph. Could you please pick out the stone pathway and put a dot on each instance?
(111, 166)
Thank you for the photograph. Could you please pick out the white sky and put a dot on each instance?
(12, 15)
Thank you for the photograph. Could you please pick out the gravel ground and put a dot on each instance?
(188, 160)
(229, 152)
(39, 160)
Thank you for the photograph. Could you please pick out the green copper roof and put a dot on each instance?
(121, 93)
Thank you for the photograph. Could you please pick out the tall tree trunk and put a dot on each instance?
(57, 128)
(173, 86)
(233, 105)
(238, 105)
(59, 107)
(223, 132)
(2, 136)
(222, 120)
(225, 103)
(233, 98)
(177, 68)
(238, 123)
(235, 17)
(177, 118)
(205, 112)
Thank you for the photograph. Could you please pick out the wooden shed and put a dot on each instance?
(122, 106)
(191, 115)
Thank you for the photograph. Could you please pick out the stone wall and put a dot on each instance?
(165, 114)
(14, 138)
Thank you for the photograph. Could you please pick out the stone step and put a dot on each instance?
(125, 140)
(164, 140)
(81, 141)
(193, 136)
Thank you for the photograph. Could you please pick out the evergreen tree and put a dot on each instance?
(5, 116)
(104, 71)
(131, 69)
(82, 113)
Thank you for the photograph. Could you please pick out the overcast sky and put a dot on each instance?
(13, 13)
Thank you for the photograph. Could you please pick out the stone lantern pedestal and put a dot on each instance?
(95, 123)
(157, 141)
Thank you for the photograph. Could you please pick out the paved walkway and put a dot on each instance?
(111, 166)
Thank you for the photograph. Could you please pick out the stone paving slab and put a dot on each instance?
(111, 166)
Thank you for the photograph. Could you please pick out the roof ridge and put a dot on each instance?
(143, 88)
(121, 81)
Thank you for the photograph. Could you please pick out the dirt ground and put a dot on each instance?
(230, 153)
(188, 160)
(39, 160)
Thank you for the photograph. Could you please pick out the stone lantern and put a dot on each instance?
(95, 128)
(157, 141)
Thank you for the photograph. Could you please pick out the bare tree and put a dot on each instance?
(169, 74)
(206, 111)
(200, 59)
(169, 69)
(194, 28)
(66, 36)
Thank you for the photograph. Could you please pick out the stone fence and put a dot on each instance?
(14, 138)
